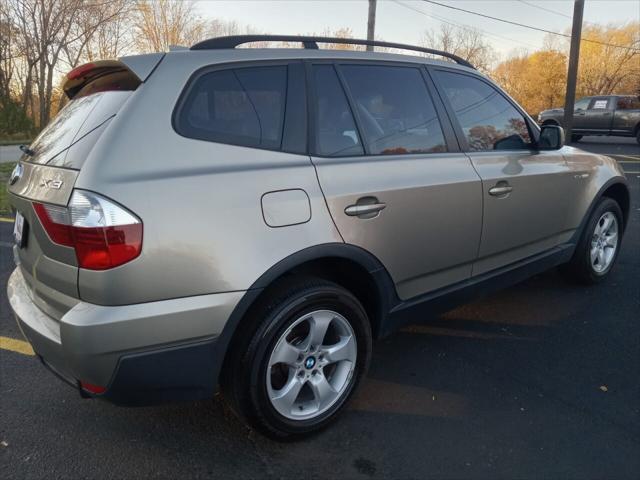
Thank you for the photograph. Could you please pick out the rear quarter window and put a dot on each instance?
(241, 106)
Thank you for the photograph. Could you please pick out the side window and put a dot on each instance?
(599, 104)
(581, 104)
(336, 133)
(243, 106)
(487, 119)
(395, 109)
(628, 103)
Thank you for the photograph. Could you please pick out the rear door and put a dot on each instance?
(394, 179)
(526, 192)
(626, 115)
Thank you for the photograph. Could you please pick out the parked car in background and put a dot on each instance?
(610, 115)
(256, 217)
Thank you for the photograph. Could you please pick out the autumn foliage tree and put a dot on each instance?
(608, 65)
(608, 69)
(537, 81)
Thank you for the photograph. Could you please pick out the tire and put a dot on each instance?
(638, 135)
(576, 138)
(281, 327)
(581, 268)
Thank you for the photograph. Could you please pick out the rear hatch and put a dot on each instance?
(45, 176)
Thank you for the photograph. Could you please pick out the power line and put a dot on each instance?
(545, 8)
(530, 27)
(552, 11)
(462, 26)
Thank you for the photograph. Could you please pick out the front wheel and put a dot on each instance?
(309, 347)
(599, 244)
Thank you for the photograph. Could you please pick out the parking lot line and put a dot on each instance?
(7, 220)
(18, 346)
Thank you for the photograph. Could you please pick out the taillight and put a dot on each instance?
(103, 234)
(91, 388)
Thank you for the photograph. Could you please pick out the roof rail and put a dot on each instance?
(312, 43)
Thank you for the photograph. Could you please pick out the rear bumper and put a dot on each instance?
(143, 354)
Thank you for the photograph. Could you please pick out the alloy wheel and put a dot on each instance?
(311, 365)
(604, 242)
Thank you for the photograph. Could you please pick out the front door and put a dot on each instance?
(599, 115)
(394, 183)
(525, 191)
(580, 114)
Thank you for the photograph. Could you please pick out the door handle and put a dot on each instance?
(364, 210)
(500, 190)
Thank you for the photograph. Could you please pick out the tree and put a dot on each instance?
(605, 69)
(537, 81)
(465, 42)
(161, 23)
(14, 123)
(101, 33)
(46, 31)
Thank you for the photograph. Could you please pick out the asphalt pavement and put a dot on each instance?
(537, 381)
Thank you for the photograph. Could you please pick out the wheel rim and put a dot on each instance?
(311, 365)
(604, 242)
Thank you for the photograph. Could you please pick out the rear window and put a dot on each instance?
(75, 121)
(395, 109)
(243, 106)
(628, 103)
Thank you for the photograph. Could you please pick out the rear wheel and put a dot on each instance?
(638, 135)
(576, 138)
(306, 351)
(599, 244)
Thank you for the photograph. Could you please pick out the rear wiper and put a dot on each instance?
(27, 151)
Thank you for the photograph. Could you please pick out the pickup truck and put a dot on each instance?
(616, 115)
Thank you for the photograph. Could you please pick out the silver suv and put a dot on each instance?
(253, 218)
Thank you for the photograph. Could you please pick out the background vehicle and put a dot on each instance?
(260, 215)
(612, 115)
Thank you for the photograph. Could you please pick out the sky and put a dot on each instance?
(400, 21)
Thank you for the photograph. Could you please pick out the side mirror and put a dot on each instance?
(551, 137)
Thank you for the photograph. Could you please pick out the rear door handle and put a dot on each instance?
(364, 211)
(500, 190)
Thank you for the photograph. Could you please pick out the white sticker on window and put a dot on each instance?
(600, 104)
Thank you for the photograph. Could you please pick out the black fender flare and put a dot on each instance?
(583, 223)
(381, 277)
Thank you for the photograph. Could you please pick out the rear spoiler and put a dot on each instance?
(139, 67)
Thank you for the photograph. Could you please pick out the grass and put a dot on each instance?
(5, 172)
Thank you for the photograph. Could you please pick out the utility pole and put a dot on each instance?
(371, 24)
(572, 75)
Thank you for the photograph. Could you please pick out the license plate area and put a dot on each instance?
(20, 228)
